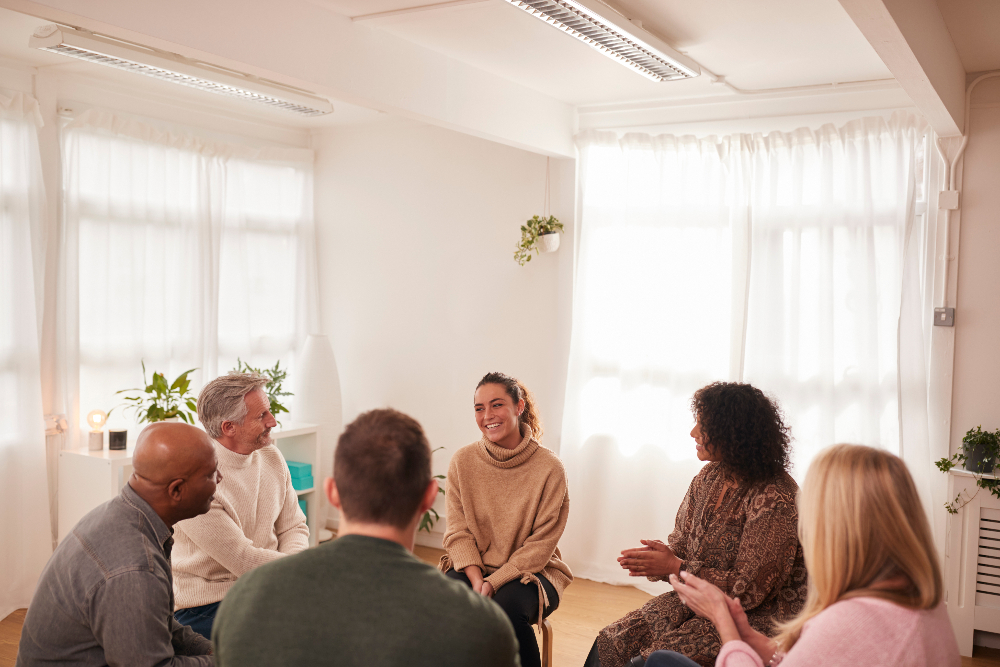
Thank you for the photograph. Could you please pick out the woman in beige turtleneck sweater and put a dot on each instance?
(507, 507)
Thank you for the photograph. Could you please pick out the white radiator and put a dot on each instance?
(972, 562)
(988, 559)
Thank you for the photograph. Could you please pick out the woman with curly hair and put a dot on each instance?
(508, 503)
(736, 528)
(875, 594)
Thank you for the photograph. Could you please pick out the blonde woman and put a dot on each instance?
(875, 591)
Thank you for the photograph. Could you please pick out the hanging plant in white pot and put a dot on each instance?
(537, 235)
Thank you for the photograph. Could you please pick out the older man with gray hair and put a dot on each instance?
(254, 519)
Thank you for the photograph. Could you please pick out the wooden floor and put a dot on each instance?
(586, 607)
(10, 634)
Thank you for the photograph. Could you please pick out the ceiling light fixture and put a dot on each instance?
(176, 69)
(616, 37)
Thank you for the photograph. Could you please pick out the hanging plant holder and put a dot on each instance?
(539, 234)
(549, 242)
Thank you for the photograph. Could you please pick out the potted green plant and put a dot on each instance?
(539, 234)
(276, 376)
(979, 455)
(162, 400)
(431, 516)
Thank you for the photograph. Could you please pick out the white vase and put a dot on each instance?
(316, 385)
(549, 242)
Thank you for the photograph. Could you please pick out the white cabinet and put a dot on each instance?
(87, 479)
(972, 561)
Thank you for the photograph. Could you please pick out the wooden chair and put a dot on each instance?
(546, 647)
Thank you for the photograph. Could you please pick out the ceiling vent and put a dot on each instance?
(614, 36)
(177, 69)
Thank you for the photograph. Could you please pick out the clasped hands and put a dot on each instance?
(479, 585)
(725, 613)
(653, 559)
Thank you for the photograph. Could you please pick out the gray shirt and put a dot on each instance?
(359, 602)
(106, 596)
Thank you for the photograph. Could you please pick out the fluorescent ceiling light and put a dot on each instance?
(176, 69)
(614, 36)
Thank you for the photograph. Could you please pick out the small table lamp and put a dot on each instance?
(97, 419)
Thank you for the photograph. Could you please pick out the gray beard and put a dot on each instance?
(261, 442)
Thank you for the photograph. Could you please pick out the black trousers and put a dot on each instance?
(520, 603)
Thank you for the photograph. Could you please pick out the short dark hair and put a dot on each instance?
(744, 427)
(382, 467)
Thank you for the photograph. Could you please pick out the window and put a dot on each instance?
(188, 255)
(778, 260)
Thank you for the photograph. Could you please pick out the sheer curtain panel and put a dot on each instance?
(182, 253)
(653, 321)
(24, 503)
(776, 260)
(831, 213)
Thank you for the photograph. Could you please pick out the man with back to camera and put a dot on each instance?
(105, 597)
(364, 599)
(254, 519)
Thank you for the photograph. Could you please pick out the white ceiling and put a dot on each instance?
(16, 29)
(974, 26)
(753, 43)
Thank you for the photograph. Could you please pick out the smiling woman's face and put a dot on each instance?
(702, 448)
(497, 415)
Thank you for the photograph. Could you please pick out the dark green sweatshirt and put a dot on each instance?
(359, 601)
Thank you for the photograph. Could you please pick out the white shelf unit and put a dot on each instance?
(972, 561)
(87, 479)
(300, 442)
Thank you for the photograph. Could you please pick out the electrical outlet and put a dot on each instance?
(944, 317)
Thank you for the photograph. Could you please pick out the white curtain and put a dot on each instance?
(24, 506)
(776, 260)
(831, 210)
(182, 252)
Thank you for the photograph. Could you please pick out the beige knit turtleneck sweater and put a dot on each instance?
(507, 509)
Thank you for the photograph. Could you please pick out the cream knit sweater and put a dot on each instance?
(507, 509)
(254, 519)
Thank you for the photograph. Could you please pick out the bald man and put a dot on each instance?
(106, 595)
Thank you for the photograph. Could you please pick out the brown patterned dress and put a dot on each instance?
(747, 546)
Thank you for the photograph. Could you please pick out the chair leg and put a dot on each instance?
(546, 643)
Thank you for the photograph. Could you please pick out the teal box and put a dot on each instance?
(302, 483)
(302, 506)
(300, 470)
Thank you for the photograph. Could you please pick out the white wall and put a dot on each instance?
(419, 291)
(976, 387)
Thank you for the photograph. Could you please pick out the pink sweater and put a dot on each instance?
(863, 631)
